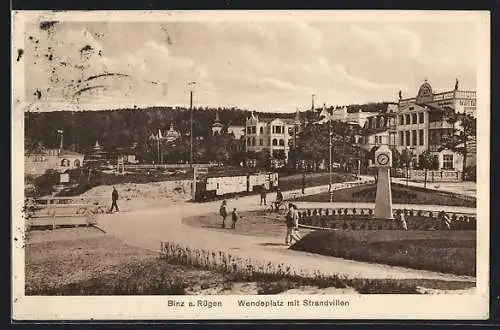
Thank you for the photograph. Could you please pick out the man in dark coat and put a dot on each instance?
(114, 197)
(263, 194)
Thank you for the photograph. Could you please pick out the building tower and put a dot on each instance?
(217, 125)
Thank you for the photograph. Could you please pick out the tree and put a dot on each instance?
(263, 158)
(428, 161)
(460, 139)
(405, 161)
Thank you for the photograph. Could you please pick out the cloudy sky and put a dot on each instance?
(268, 66)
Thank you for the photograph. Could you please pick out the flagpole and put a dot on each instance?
(158, 140)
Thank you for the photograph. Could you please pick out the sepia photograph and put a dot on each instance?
(257, 165)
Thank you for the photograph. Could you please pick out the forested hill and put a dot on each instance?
(121, 128)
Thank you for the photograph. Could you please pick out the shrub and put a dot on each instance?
(470, 173)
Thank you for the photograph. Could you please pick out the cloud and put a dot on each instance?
(262, 65)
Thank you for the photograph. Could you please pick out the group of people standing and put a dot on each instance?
(223, 213)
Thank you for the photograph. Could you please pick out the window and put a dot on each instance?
(414, 118)
(420, 137)
(249, 141)
(401, 139)
(65, 163)
(249, 130)
(275, 142)
(261, 141)
(254, 130)
(401, 120)
(261, 130)
(413, 138)
(407, 120)
(421, 117)
(253, 141)
(77, 163)
(407, 138)
(282, 142)
(447, 162)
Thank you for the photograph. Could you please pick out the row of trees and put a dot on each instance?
(121, 128)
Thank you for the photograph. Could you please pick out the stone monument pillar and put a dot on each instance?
(383, 202)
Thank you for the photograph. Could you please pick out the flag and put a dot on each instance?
(159, 134)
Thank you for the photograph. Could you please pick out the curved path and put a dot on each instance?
(148, 227)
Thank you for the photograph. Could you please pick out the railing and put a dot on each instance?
(364, 219)
(62, 211)
(294, 194)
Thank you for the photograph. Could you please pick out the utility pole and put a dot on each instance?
(329, 156)
(191, 123)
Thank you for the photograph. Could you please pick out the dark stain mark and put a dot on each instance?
(20, 53)
(38, 94)
(46, 25)
(63, 63)
(135, 106)
(86, 48)
(154, 82)
(79, 80)
(169, 41)
(30, 37)
(107, 74)
(49, 57)
(100, 53)
(36, 41)
(87, 89)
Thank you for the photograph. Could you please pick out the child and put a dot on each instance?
(223, 213)
(234, 217)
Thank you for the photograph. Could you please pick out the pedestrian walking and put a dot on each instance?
(223, 213)
(445, 220)
(402, 220)
(234, 217)
(263, 194)
(114, 198)
(295, 234)
(291, 225)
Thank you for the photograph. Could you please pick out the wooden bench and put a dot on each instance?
(62, 211)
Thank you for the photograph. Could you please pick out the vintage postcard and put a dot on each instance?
(250, 165)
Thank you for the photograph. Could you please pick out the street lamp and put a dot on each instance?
(330, 133)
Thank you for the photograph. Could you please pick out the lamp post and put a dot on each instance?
(330, 133)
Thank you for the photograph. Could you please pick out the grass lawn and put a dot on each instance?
(400, 195)
(252, 223)
(294, 181)
(441, 251)
(84, 261)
